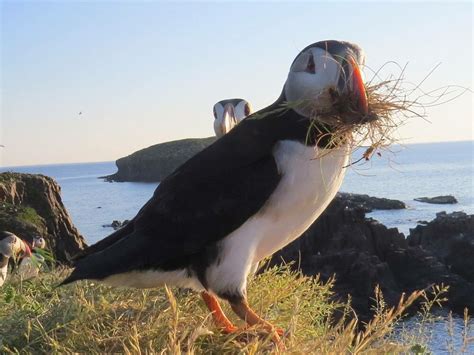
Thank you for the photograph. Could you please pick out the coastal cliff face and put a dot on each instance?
(450, 237)
(155, 163)
(31, 205)
(363, 253)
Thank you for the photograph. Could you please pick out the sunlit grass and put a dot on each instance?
(36, 317)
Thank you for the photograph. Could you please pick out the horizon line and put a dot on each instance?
(113, 161)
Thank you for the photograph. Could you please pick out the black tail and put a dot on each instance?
(101, 245)
(122, 256)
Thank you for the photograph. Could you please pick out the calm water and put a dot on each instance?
(416, 171)
(406, 173)
(409, 172)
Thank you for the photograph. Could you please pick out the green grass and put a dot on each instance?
(21, 220)
(86, 317)
(29, 215)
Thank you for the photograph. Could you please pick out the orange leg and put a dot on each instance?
(244, 312)
(217, 314)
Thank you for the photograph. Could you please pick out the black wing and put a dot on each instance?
(204, 200)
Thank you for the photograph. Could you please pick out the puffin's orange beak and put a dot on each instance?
(358, 88)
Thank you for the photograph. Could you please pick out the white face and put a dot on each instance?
(39, 242)
(228, 114)
(242, 110)
(312, 74)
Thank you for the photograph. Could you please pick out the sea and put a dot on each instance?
(402, 172)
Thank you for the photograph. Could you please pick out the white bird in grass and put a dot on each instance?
(10, 247)
(30, 265)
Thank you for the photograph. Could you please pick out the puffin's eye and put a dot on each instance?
(247, 109)
(310, 67)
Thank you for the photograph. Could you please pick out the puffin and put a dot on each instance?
(30, 265)
(11, 246)
(229, 113)
(250, 193)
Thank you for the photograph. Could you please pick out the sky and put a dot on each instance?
(143, 73)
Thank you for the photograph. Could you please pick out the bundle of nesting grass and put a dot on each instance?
(391, 103)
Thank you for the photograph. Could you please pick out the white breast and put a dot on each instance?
(310, 179)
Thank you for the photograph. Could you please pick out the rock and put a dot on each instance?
(31, 205)
(154, 163)
(369, 203)
(450, 237)
(116, 224)
(439, 200)
(362, 253)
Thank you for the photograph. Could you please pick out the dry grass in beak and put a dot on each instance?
(392, 102)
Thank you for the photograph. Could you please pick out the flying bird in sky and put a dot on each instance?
(253, 191)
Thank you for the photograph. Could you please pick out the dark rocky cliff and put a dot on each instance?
(31, 205)
(449, 237)
(154, 163)
(362, 253)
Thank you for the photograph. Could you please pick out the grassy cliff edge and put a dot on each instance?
(86, 317)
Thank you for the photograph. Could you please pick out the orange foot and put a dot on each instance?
(230, 329)
(218, 315)
(244, 312)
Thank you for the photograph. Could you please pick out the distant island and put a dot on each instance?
(156, 162)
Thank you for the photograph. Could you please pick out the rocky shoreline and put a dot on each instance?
(438, 200)
(362, 253)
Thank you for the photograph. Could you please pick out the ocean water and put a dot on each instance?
(404, 173)
(418, 170)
